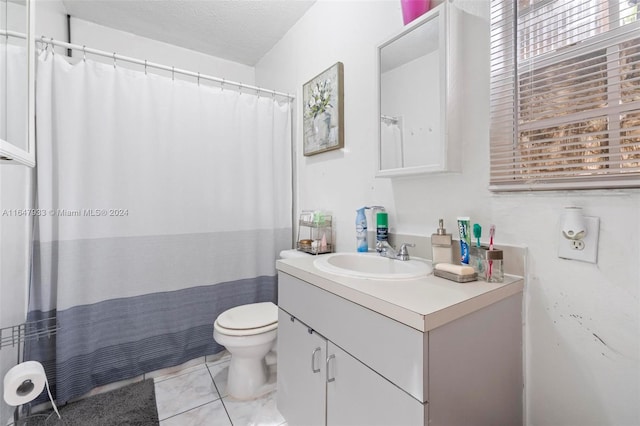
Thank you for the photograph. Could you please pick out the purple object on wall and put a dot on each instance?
(411, 9)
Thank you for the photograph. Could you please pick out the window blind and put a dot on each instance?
(565, 94)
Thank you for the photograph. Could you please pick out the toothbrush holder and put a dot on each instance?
(488, 264)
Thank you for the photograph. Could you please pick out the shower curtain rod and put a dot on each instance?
(8, 33)
(116, 57)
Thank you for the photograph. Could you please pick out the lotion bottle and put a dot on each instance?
(441, 245)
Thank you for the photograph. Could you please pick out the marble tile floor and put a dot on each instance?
(197, 396)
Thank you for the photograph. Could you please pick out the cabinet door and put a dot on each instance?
(357, 395)
(302, 355)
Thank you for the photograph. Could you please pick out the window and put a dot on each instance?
(565, 94)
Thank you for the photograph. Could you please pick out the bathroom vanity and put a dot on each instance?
(355, 351)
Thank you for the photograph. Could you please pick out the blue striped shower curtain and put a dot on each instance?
(162, 203)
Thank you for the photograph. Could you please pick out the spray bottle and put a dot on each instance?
(361, 230)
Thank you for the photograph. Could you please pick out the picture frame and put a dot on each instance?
(323, 111)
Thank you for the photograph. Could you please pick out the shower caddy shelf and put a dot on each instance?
(28, 331)
(311, 232)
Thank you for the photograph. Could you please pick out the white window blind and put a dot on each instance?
(565, 94)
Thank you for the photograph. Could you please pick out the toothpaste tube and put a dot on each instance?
(465, 239)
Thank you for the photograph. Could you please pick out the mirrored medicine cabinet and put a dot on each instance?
(418, 92)
(16, 82)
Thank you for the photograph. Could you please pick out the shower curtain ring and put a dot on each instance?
(198, 79)
(145, 67)
(274, 95)
(84, 53)
(222, 85)
(173, 73)
(53, 52)
(114, 60)
(241, 88)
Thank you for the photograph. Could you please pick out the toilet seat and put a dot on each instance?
(246, 320)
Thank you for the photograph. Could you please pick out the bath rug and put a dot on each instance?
(131, 405)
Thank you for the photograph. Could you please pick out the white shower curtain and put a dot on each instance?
(162, 204)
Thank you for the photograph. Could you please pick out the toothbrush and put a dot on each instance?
(477, 232)
(492, 233)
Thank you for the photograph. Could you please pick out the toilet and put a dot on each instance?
(249, 333)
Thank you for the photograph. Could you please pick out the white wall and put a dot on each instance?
(582, 320)
(51, 21)
(111, 40)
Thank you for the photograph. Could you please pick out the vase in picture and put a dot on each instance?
(411, 9)
(321, 124)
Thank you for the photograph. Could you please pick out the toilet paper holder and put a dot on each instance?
(14, 336)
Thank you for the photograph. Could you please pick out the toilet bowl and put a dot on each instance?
(249, 333)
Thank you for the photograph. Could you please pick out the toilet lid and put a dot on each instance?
(253, 315)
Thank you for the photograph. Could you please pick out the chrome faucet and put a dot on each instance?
(386, 250)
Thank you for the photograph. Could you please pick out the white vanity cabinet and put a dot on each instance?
(357, 395)
(301, 384)
(341, 363)
(321, 384)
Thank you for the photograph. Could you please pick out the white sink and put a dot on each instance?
(372, 266)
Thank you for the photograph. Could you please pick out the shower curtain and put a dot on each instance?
(161, 204)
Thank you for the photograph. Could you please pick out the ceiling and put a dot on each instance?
(238, 30)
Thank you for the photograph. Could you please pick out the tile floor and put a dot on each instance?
(197, 396)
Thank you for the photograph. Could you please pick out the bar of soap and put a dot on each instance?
(454, 269)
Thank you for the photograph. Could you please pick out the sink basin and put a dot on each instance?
(372, 266)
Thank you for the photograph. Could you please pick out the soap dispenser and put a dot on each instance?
(441, 245)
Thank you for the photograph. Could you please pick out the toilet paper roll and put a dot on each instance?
(24, 382)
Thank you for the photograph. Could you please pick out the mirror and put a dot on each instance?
(14, 81)
(412, 79)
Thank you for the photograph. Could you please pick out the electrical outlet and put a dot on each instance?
(577, 244)
(584, 250)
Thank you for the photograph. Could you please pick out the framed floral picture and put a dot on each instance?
(323, 116)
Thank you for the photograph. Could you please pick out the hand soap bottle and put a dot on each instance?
(361, 231)
(441, 245)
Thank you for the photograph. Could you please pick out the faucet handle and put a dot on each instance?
(382, 245)
(403, 253)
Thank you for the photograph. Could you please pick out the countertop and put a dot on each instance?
(424, 303)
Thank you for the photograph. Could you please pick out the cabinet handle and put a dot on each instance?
(329, 358)
(313, 360)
